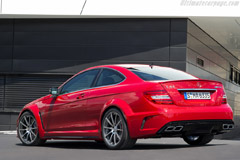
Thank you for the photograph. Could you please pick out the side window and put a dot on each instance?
(80, 82)
(108, 77)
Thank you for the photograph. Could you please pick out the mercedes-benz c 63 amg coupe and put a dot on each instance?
(118, 104)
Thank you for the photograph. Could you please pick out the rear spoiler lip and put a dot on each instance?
(197, 89)
(185, 80)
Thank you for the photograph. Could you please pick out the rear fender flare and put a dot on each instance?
(119, 104)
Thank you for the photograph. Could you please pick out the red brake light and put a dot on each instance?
(224, 99)
(158, 97)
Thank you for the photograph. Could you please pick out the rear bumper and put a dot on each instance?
(196, 127)
(149, 124)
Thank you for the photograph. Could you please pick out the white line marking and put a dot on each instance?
(8, 132)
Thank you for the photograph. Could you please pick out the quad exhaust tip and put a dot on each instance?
(173, 129)
(228, 126)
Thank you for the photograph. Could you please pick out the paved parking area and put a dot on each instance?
(146, 149)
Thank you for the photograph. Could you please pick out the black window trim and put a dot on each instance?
(76, 76)
(95, 80)
(124, 77)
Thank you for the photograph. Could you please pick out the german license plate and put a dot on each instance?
(197, 95)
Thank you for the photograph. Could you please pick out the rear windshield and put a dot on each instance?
(156, 73)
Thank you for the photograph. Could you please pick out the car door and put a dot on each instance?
(106, 87)
(66, 112)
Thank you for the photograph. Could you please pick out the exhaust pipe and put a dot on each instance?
(178, 128)
(228, 126)
(169, 129)
(231, 126)
(173, 129)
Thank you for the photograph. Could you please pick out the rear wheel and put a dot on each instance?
(198, 140)
(115, 132)
(28, 130)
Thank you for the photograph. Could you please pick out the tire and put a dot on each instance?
(198, 140)
(28, 130)
(115, 131)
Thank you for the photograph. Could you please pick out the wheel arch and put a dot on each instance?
(120, 105)
(33, 109)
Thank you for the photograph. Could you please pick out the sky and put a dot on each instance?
(227, 8)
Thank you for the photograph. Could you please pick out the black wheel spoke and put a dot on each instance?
(33, 133)
(23, 124)
(112, 119)
(109, 122)
(25, 119)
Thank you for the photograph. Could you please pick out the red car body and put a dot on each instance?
(78, 115)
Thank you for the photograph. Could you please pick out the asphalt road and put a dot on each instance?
(146, 149)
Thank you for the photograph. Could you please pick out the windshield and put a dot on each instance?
(156, 73)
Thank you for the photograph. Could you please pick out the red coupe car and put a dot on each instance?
(117, 104)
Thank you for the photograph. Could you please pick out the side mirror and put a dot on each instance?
(53, 91)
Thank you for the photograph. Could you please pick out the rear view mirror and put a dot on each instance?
(53, 91)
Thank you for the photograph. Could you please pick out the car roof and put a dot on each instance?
(133, 65)
(127, 65)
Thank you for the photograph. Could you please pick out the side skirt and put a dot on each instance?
(71, 137)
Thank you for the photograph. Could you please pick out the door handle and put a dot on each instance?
(81, 96)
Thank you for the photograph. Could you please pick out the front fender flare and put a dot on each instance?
(35, 111)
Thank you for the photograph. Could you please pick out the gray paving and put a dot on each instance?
(146, 149)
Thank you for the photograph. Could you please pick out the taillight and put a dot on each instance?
(224, 99)
(158, 97)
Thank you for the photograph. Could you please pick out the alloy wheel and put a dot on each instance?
(112, 128)
(28, 130)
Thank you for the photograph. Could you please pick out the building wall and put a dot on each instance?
(217, 61)
(37, 54)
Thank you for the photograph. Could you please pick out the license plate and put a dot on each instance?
(197, 95)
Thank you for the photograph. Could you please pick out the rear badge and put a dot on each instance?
(171, 86)
(217, 87)
(198, 84)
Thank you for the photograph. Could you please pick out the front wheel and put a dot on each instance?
(28, 130)
(115, 132)
(198, 140)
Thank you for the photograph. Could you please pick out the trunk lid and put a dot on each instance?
(178, 91)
